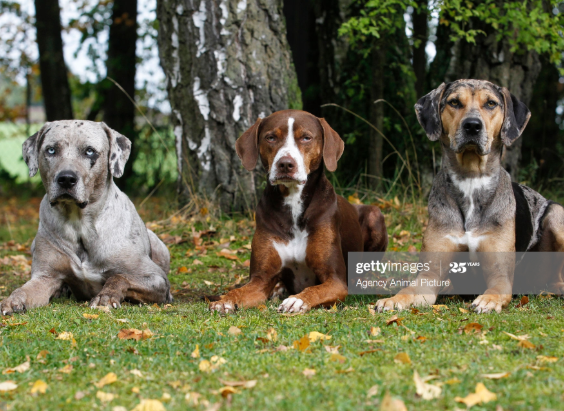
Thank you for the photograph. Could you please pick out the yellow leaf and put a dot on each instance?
(67, 369)
(392, 404)
(205, 366)
(338, 358)
(149, 405)
(271, 334)
(314, 336)
(226, 391)
(439, 307)
(473, 328)
(302, 344)
(23, 367)
(234, 330)
(105, 396)
(517, 337)
(394, 319)
(90, 316)
(544, 358)
(8, 386)
(372, 391)
(462, 310)
(42, 354)
(65, 336)
(482, 395)
(137, 373)
(196, 352)
(402, 358)
(135, 390)
(39, 386)
(496, 376)
(424, 390)
(134, 334)
(374, 331)
(108, 379)
(308, 372)
(182, 270)
(526, 344)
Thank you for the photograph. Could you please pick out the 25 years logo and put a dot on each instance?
(460, 268)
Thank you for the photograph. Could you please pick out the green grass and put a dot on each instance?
(457, 360)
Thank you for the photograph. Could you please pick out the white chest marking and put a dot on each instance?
(468, 186)
(293, 253)
(290, 149)
(468, 239)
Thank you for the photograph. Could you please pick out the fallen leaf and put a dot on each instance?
(421, 339)
(271, 334)
(526, 344)
(517, 337)
(348, 370)
(473, 328)
(205, 366)
(462, 310)
(79, 395)
(368, 351)
(135, 390)
(182, 270)
(424, 390)
(65, 335)
(338, 358)
(42, 354)
(374, 331)
(234, 330)
(105, 396)
(394, 319)
(402, 358)
(196, 352)
(439, 307)
(227, 391)
(524, 301)
(372, 391)
(197, 262)
(544, 358)
(137, 373)
(496, 376)
(482, 395)
(149, 405)
(392, 404)
(314, 336)
(108, 379)
(90, 316)
(308, 372)
(332, 350)
(122, 320)
(23, 367)
(302, 344)
(8, 386)
(134, 334)
(39, 387)
(244, 384)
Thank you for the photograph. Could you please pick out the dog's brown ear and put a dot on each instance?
(428, 112)
(30, 149)
(120, 148)
(517, 115)
(247, 146)
(333, 146)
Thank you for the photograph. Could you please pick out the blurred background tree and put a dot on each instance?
(335, 58)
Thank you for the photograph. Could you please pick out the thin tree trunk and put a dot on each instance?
(375, 169)
(54, 80)
(420, 36)
(119, 111)
(227, 63)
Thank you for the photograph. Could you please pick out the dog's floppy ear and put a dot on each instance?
(428, 112)
(247, 146)
(30, 149)
(517, 116)
(333, 146)
(120, 148)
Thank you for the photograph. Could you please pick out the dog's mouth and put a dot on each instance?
(68, 198)
(286, 179)
(471, 147)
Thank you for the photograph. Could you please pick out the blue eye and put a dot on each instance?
(50, 150)
(90, 152)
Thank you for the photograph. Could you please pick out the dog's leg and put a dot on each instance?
(264, 277)
(144, 283)
(553, 240)
(35, 293)
(373, 226)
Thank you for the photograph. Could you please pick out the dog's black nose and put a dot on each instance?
(67, 179)
(472, 126)
(286, 165)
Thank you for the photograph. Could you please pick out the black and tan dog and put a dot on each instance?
(473, 206)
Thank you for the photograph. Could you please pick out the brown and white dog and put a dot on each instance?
(473, 205)
(304, 231)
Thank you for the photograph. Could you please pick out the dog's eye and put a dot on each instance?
(454, 103)
(270, 138)
(90, 152)
(491, 104)
(50, 150)
(306, 138)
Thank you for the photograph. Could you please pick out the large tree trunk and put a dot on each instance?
(375, 169)
(227, 62)
(119, 111)
(54, 80)
(490, 59)
(420, 36)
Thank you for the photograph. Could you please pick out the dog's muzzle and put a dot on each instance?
(472, 136)
(286, 170)
(65, 183)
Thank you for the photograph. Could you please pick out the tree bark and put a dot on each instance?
(490, 59)
(420, 36)
(227, 63)
(375, 169)
(119, 111)
(54, 80)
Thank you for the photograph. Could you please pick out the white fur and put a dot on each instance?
(291, 305)
(289, 149)
(468, 186)
(468, 239)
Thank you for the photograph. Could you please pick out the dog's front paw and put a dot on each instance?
(487, 303)
(404, 301)
(105, 300)
(293, 305)
(15, 303)
(223, 306)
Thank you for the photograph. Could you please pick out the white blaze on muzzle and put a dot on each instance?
(289, 149)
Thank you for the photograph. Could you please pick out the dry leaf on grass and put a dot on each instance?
(462, 310)
(402, 358)
(302, 344)
(137, 373)
(42, 354)
(65, 335)
(149, 405)
(134, 334)
(482, 395)
(473, 328)
(308, 372)
(271, 334)
(424, 390)
(227, 391)
(23, 367)
(314, 336)
(90, 316)
(234, 330)
(517, 337)
(8, 386)
(524, 301)
(369, 351)
(196, 352)
(394, 319)
(105, 396)
(39, 387)
(108, 379)
(337, 358)
(67, 369)
(332, 349)
(244, 384)
(544, 358)
(496, 376)
(372, 391)
(392, 404)
(526, 344)
(375, 331)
